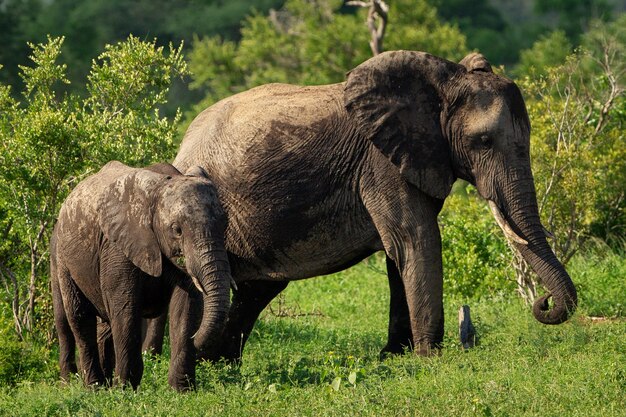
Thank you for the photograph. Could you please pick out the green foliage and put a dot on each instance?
(20, 360)
(484, 26)
(10, 352)
(574, 16)
(51, 139)
(126, 86)
(475, 254)
(89, 25)
(312, 43)
(548, 52)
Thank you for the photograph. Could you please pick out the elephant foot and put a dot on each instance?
(428, 349)
(96, 383)
(394, 349)
(67, 371)
(182, 383)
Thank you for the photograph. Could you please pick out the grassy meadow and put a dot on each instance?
(315, 353)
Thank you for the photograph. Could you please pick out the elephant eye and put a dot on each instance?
(485, 141)
(176, 229)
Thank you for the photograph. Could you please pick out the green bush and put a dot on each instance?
(475, 254)
(21, 360)
(49, 140)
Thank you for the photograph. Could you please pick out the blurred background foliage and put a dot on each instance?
(76, 91)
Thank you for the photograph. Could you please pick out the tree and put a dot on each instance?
(89, 25)
(51, 140)
(574, 17)
(312, 42)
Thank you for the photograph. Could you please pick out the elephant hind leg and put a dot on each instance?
(399, 337)
(106, 350)
(67, 343)
(81, 317)
(153, 333)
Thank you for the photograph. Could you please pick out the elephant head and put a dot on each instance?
(436, 121)
(150, 214)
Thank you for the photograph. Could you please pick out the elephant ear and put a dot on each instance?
(165, 169)
(476, 62)
(125, 217)
(395, 101)
(197, 171)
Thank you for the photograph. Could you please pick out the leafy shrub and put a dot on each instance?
(475, 254)
(20, 360)
(49, 140)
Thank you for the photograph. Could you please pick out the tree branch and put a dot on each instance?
(378, 11)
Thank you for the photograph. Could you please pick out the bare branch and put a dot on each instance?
(378, 12)
(358, 3)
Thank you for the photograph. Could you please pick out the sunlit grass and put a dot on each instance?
(316, 353)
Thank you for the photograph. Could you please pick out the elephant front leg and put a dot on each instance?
(126, 329)
(121, 288)
(185, 312)
(422, 275)
(399, 336)
(106, 350)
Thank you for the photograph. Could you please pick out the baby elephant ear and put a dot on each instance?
(125, 217)
(476, 62)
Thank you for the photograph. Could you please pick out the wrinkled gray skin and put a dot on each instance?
(314, 179)
(127, 243)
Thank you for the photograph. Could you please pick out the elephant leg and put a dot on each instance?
(81, 317)
(185, 313)
(406, 220)
(247, 303)
(67, 344)
(422, 275)
(106, 350)
(153, 333)
(121, 292)
(399, 334)
(127, 345)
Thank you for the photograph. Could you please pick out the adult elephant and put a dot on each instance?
(314, 179)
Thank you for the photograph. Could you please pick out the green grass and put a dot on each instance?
(322, 359)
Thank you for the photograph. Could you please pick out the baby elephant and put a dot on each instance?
(128, 241)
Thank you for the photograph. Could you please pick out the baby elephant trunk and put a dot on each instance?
(210, 272)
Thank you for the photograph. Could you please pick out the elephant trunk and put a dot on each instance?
(522, 225)
(210, 271)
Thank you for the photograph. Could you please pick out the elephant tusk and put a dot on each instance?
(233, 284)
(508, 232)
(548, 234)
(198, 285)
